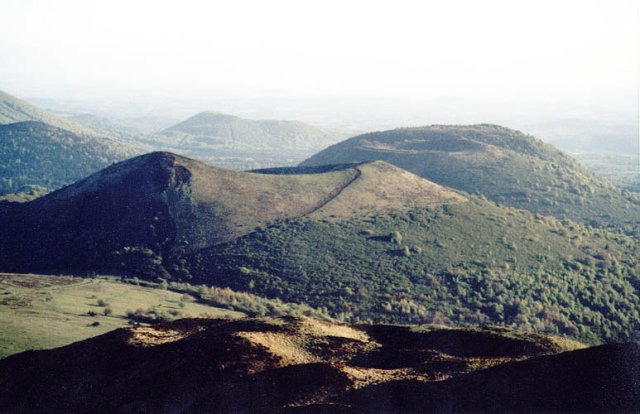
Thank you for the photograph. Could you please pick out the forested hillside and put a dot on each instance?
(34, 155)
(507, 166)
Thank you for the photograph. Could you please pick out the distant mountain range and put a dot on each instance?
(362, 241)
(505, 165)
(40, 151)
(14, 110)
(299, 365)
(32, 140)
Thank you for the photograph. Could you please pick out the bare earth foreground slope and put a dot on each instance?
(302, 365)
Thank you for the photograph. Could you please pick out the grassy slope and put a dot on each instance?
(472, 262)
(380, 187)
(249, 200)
(39, 312)
(505, 165)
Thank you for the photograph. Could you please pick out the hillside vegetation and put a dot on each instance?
(366, 242)
(153, 208)
(471, 262)
(505, 165)
(39, 157)
(247, 365)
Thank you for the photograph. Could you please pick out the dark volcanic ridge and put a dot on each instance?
(172, 205)
(302, 365)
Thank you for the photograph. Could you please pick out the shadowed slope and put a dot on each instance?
(40, 150)
(162, 205)
(269, 365)
(600, 379)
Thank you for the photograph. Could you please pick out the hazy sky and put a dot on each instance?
(298, 48)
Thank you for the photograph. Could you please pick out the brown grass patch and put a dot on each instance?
(146, 336)
(290, 350)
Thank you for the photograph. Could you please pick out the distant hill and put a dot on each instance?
(608, 146)
(14, 110)
(224, 140)
(363, 242)
(300, 365)
(40, 151)
(35, 156)
(505, 165)
(217, 139)
(213, 129)
(232, 142)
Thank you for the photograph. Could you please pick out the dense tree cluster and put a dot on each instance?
(472, 263)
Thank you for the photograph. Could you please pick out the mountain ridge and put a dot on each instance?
(178, 204)
(505, 165)
(366, 242)
(13, 109)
